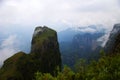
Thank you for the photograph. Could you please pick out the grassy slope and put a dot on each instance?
(9, 68)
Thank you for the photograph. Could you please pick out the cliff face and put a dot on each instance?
(44, 57)
(113, 44)
(44, 40)
(82, 46)
(46, 49)
(86, 41)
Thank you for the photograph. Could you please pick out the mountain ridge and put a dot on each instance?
(67, 34)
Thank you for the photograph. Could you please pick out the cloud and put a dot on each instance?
(89, 30)
(103, 40)
(53, 12)
(8, 47)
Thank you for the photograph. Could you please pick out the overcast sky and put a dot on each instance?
(56, 13)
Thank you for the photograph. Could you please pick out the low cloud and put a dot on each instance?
(89, 30)
(104, 39)
(8, 47)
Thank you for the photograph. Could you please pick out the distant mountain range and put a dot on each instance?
(68, 34)
(81, 42)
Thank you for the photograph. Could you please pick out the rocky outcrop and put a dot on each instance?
(113, 44)
(46, 49)
(44, 57)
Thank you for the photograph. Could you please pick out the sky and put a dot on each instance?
(25, 15)
(55, 13)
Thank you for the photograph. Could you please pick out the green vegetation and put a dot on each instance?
(10, 69)
(106, 68)
(45, 35)
(45, 50)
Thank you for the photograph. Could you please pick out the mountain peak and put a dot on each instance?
(39, 30)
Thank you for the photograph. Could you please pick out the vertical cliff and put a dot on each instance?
(113, 44)
(45, 48)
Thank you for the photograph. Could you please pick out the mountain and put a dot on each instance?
(68, 34)
(113, 44)
(45, 48)
(44, 57)
(80, 42)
